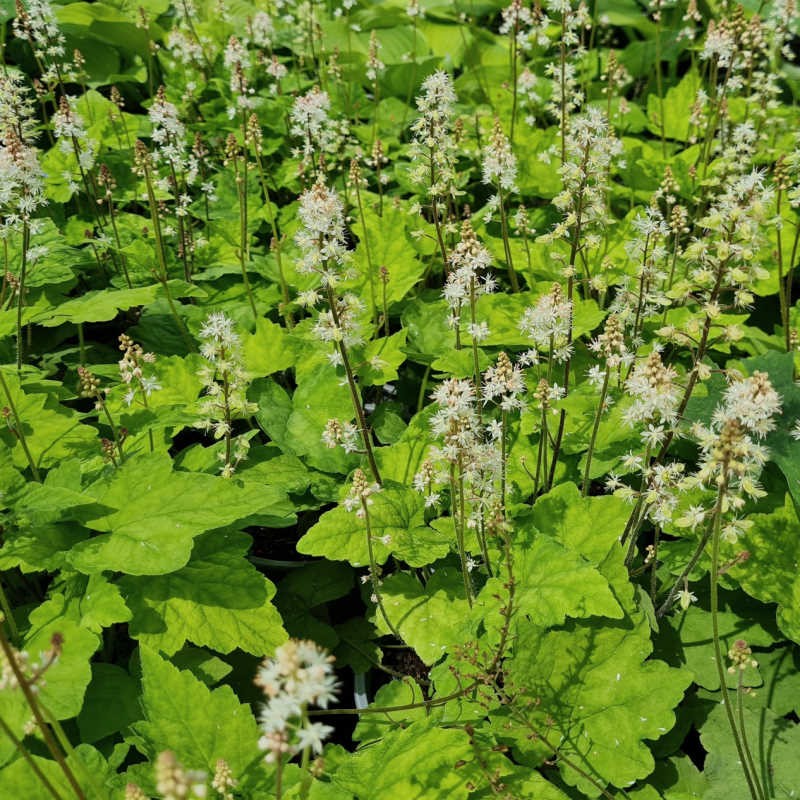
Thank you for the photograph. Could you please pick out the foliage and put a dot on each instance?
(443, 356)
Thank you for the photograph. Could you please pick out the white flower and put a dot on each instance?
(499, 161)
(312, 736)
(685, 598)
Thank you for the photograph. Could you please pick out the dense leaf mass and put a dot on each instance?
(399, 400)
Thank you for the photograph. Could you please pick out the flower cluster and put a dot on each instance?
(499, 161)
(433, 146)
(36, 22)
(131, 369)
(468, 279)
(321, 237)
(360, 495)
(504, 384)
(312, 126)
(226, 383)
(21, 176)
(469, 448)
(549, 325)
(731, 458)
(174, 782)
(341, 433)
(299, 675)
(656, 397)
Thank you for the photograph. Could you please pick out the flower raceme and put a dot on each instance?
(321, 237)
(299, 675)
(226, 383)
(731, 457)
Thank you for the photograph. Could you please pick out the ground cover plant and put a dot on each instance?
(399, 400)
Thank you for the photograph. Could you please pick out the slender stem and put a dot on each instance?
(358, 408)
(512, 275)
(476, 365)
(63, 739)
(457, 495)
(276, 241)
(782, 299)
(541, 455)
(716, 526)
(598, 415)
(149, 430)
(305, 760)
(122, 258)
(373, 573)
(41, 722)
(503, 456)
(562, 55)
(9, 614)
(279, 779)
(743, 728)
(23, 751)
(435, 210)
(367, 250)
(226, 389)
(161, 255)
(26, 240)
(654, 565)
(660, 88)
(244, 249)
(514, 67)
(114, 430)
(633, 530)
(423, 388)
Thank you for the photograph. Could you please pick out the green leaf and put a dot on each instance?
(395, 693)
(159, 513)
(87, 765)
(101, 604)
(218, 600)
(592, 680)
(554, 583)
(267, 350)
(208, 668)
(381, 358)
(770, 573)
(418, 762)
(111, 704)
(677, 107)
(68, 678)
(319, 396)
(774, 742)
(429, 335)
(691, 638)
(98, 306)
(197, 724)
(587, 525)
(396, 512)
(44, 548)
(389, 247)
(430, 618)
(52, 432)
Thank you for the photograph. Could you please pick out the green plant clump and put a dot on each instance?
(399, 400)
